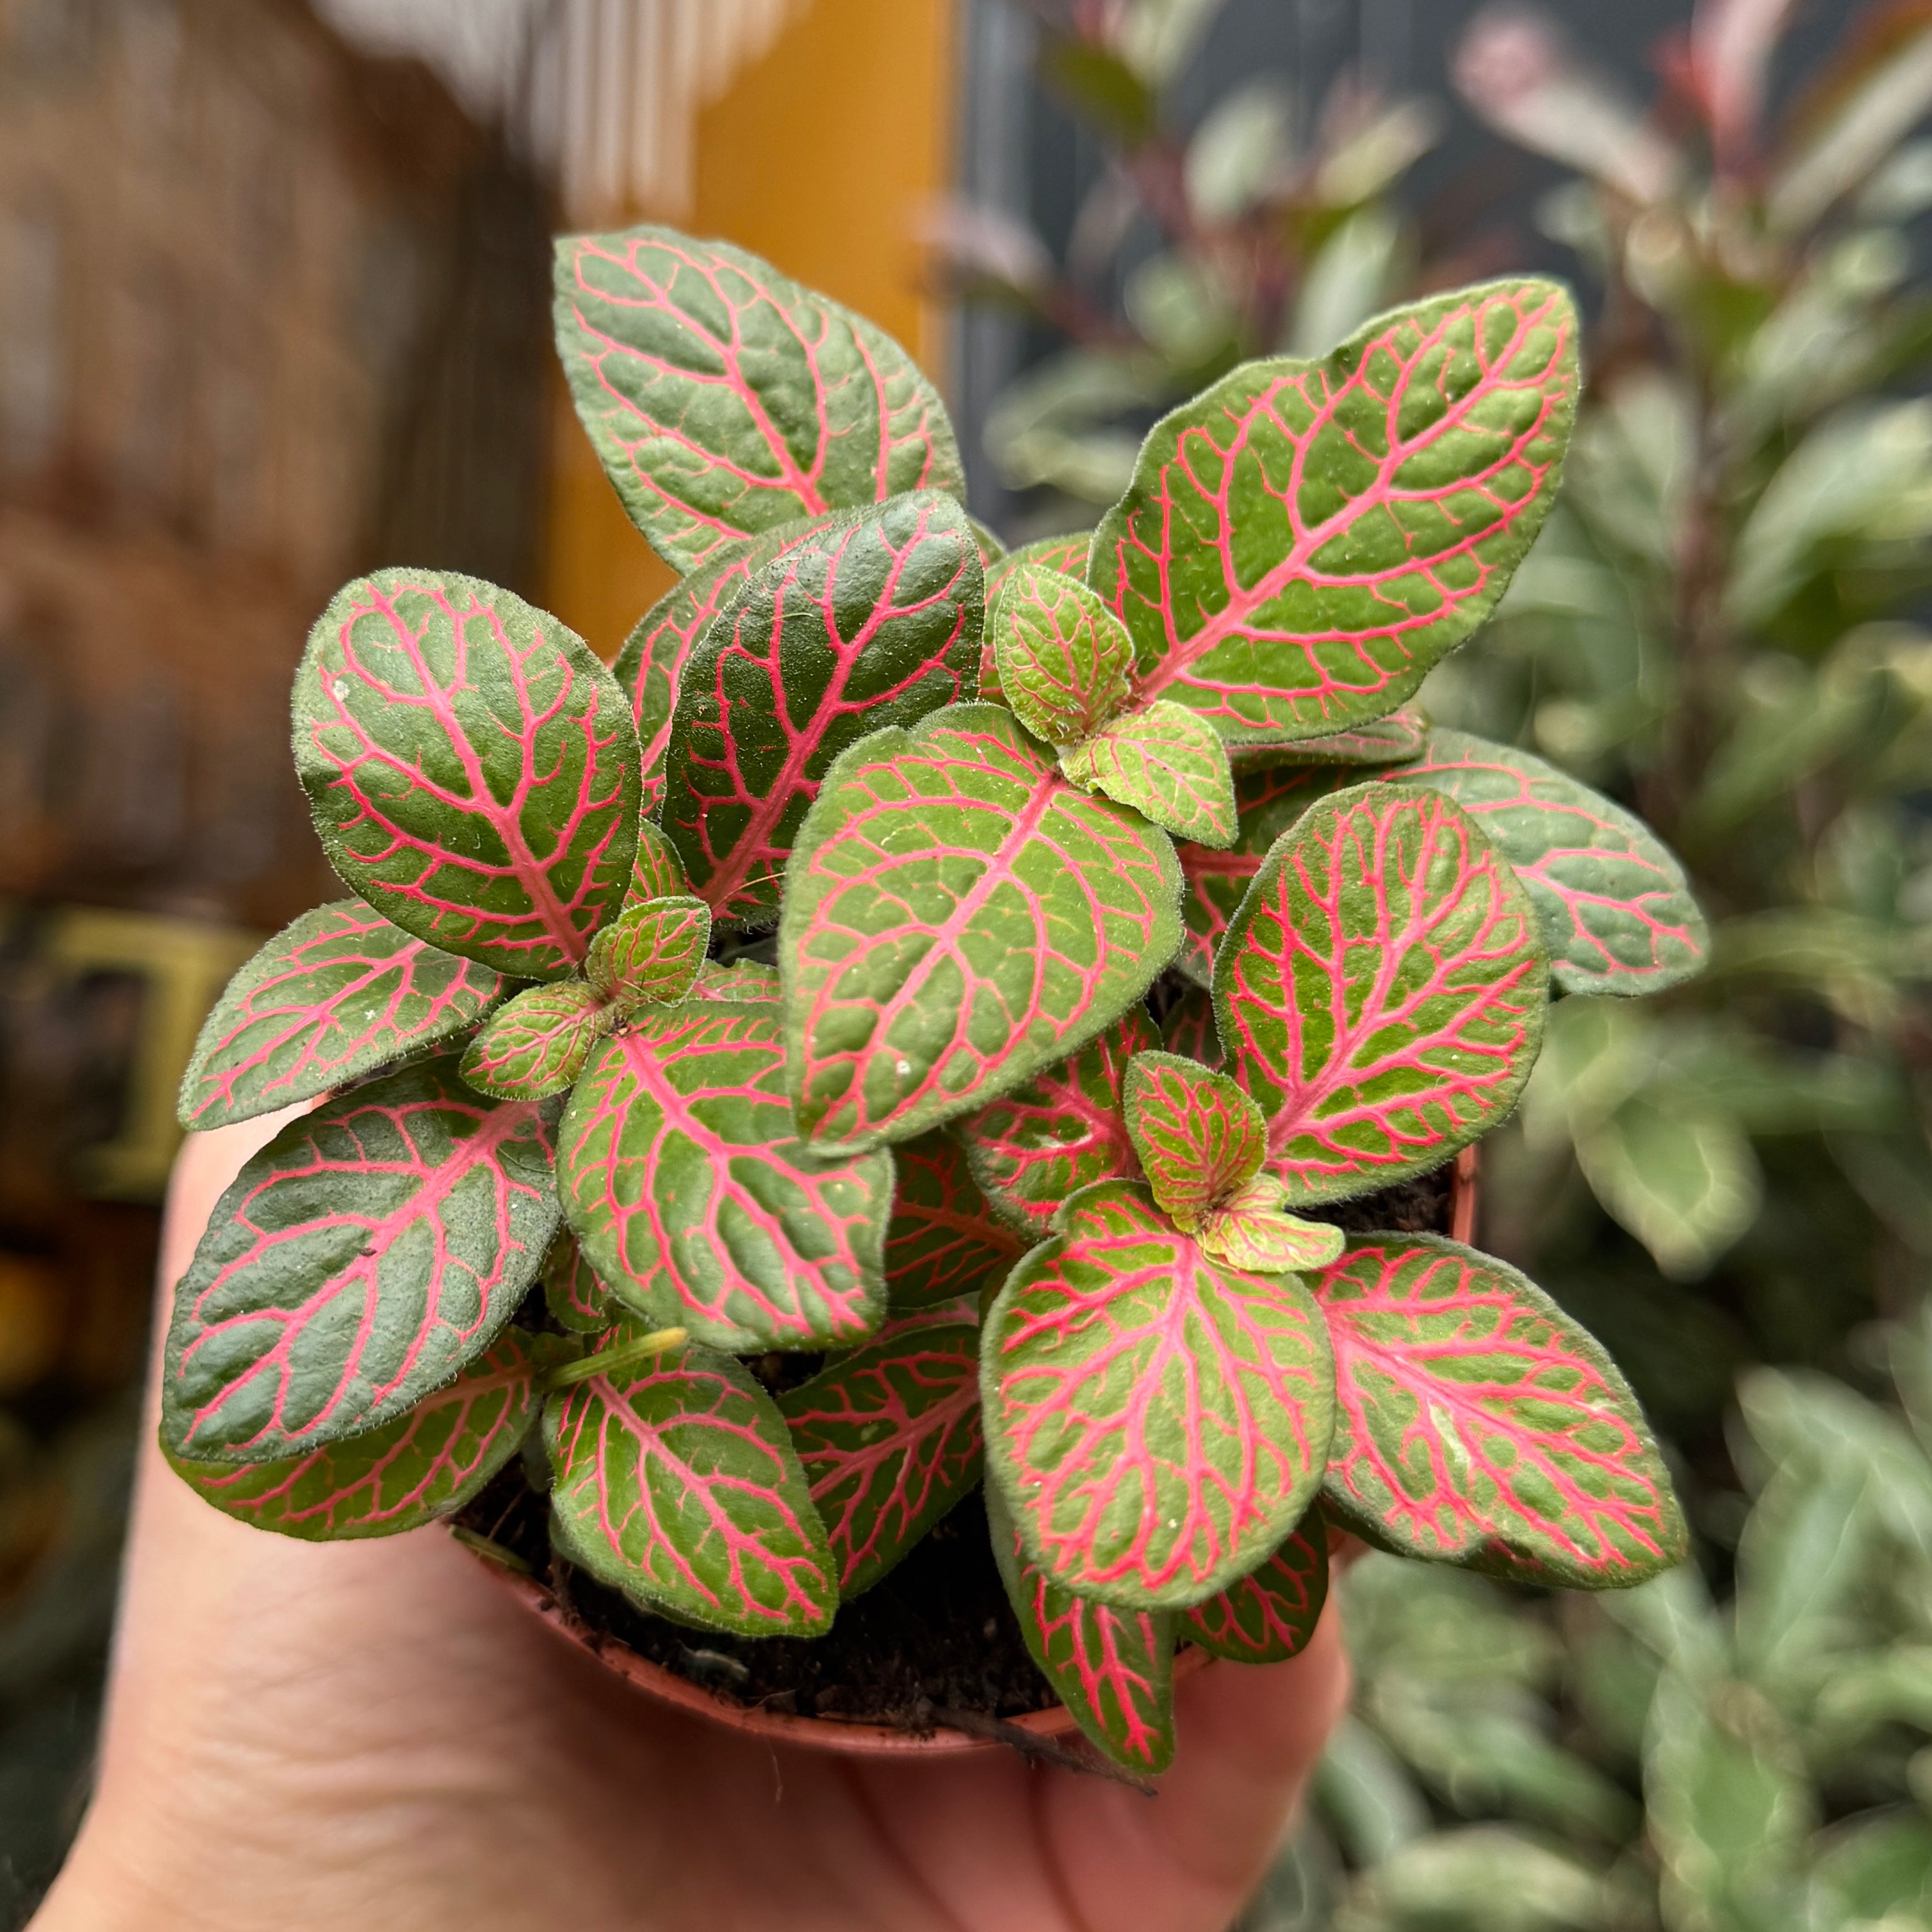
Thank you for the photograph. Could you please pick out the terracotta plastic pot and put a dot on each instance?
(834, 1734)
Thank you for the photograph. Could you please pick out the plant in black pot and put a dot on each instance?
(747, 1122)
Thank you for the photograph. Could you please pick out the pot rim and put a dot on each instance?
(854, 1738)
(850, 1738)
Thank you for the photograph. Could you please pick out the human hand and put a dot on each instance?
(325, 1736)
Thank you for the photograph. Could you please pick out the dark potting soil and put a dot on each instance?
(937, 1631)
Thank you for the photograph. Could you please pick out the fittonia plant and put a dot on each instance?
(986, 800)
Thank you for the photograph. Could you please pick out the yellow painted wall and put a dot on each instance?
(820, 157)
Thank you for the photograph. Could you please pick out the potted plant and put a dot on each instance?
(746, 1118)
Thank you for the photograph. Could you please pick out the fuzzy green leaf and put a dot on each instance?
(472, 768)
(1302, 540)
(1268, 1615)
(1168, 764)
(1381, 990)
(367, 1254)
(889, 1437)
(957, 917)
(1063, 657)
(1379, 741)
(1615, 911)
(943, 1241)
(723, 399)
(335, 996)
(1475, 1423)
(426, 1463)
(657, 872)
(687, 1189)
(1267, 802)
(1200, 1140)
(576, 1300)
(650, 666)
(1067, 555)
(1190, 1030)
(651, 955)
(538, 1044)
(872, 619)
(677, 1483)
(1034, 1148)
(1113, 1669)
(743, 981)
(1156, 1422)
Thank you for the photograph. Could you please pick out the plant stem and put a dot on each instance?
(611, 1361)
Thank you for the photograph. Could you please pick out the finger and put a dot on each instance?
(1247, 1739)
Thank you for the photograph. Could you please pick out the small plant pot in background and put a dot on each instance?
(851, 1737)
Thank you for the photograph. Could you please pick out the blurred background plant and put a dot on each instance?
(1270, 226)
(1720, 624)
(1757, 1763)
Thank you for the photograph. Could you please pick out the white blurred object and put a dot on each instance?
(607, 92)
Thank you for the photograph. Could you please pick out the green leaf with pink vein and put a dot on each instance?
(1249, 1230)
(1112, 1669)
(337, 995)
(1189, 1029)
(425, 1464)
(368, 1253)
(958, 917)
(651, 954)
(743, 979)
(1033, 1149)
(1067, 555)
(723, 399)
(472, 768)
(943, 1242)
(676, 1482)
(657, 873)
(538, 1044)
(576, 1300)
(1063, 657)
(1477, 1423)
(690, 1192)
(1302, 541)
(1267, 802)
(1616, 912)
(1200, 1140)
(873, 620)
(1380, 990)
(1268, 1615)
(1163, 761)
(889, 1437)
(1156, 1421)
(651, 664)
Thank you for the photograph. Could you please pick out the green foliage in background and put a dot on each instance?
(1651, 1758)
(1196, 249)
(1719, 625)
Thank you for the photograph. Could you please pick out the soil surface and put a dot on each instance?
(937, 1631)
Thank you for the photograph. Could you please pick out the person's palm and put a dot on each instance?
(374, 1734)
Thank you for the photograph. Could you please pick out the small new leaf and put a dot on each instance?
(1067, 555)
(1167, 763)
(1250, 1231)
(1113, 1669)
(537, 1045)
(658, 873)
(426, 1463)
(1157, 1421)
(336, 995)
(1477, 1423)
(651, 954)
(1062, 657)
(1200, 1140)
(677, 1483)
(889, 1437)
